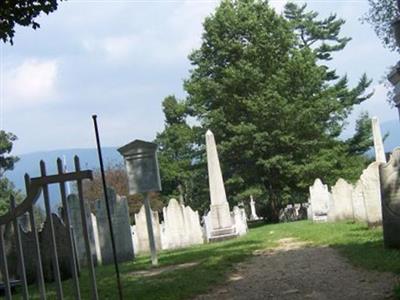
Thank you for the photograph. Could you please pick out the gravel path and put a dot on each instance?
(293, 271)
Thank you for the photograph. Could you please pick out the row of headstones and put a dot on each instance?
(181, 227)
(361, 202)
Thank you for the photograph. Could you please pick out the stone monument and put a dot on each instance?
(390, 190)
(372, 194)
(253, 214)
(120, 220)
(141, 234)
(341, 207)
(319, 201)
(360, 213)
(378, 143)
(221, 223)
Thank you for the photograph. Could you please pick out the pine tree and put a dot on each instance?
(259, 82)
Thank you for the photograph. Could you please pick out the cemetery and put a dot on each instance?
(259, 182)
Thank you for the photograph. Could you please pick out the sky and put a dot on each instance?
(119, 59)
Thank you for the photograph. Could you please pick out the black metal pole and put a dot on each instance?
(103, 178)
(398, 4)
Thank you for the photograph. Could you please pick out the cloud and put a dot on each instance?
(30, 83)
(278, 5)
(163, 43)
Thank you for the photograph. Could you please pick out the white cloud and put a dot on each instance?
(278, 5)
(31, 83)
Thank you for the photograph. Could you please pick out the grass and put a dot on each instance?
(211, 263)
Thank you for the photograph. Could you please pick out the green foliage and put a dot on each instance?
(7, 162)
(275, 110)
(381, 15)
(181, 172)
(22, 12)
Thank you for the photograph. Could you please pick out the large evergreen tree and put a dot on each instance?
(260, 82)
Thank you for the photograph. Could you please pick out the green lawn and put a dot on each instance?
(209, 264)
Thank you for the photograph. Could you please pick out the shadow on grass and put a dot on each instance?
(212, 263)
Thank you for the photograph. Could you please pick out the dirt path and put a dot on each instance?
(293, 271)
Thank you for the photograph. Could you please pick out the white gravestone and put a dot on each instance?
(342, 205)
(175, 229)
(181, 227)
(76, 224)
(253, 215)
(240, 220)
(96, 237)
(141, 232)
(378, 143)
(121, 227)
(194, 227)
(221, 223)
(319, 201)
(372, 194)
(359, 203)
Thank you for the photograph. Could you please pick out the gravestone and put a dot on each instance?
(319, 201)
(175, 229)
(121, 226)
(221, 223)
(96, 237)
(240, 220)
(76, 224)
(141, 233)
(194, 227)
(378, 143)
(359, 203)
(372, 194)
(390, 190)
(62, 245)
(181, 226)
(341, 207)
(253, 213)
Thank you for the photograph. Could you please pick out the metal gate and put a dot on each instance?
(35, 187)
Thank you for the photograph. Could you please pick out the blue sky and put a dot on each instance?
(119, 59)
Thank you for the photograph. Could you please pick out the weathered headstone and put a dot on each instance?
(341, 207)
(240, 220)
(96, 237)
(221, 223)
(121, 226)
(176, 234)
(390, 190)
(63, 251)
(372, 194)
(194, 227)
(253, 213)
(319, 201)
(141, 234)
(359, 203)
(181, 226)
(76, 224)
(380, 156)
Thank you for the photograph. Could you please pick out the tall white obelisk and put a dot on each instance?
(221, 221)
(378, 143)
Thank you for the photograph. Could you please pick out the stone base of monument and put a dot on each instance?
(221, 234)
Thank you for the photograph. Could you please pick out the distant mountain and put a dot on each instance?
(29, 163)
